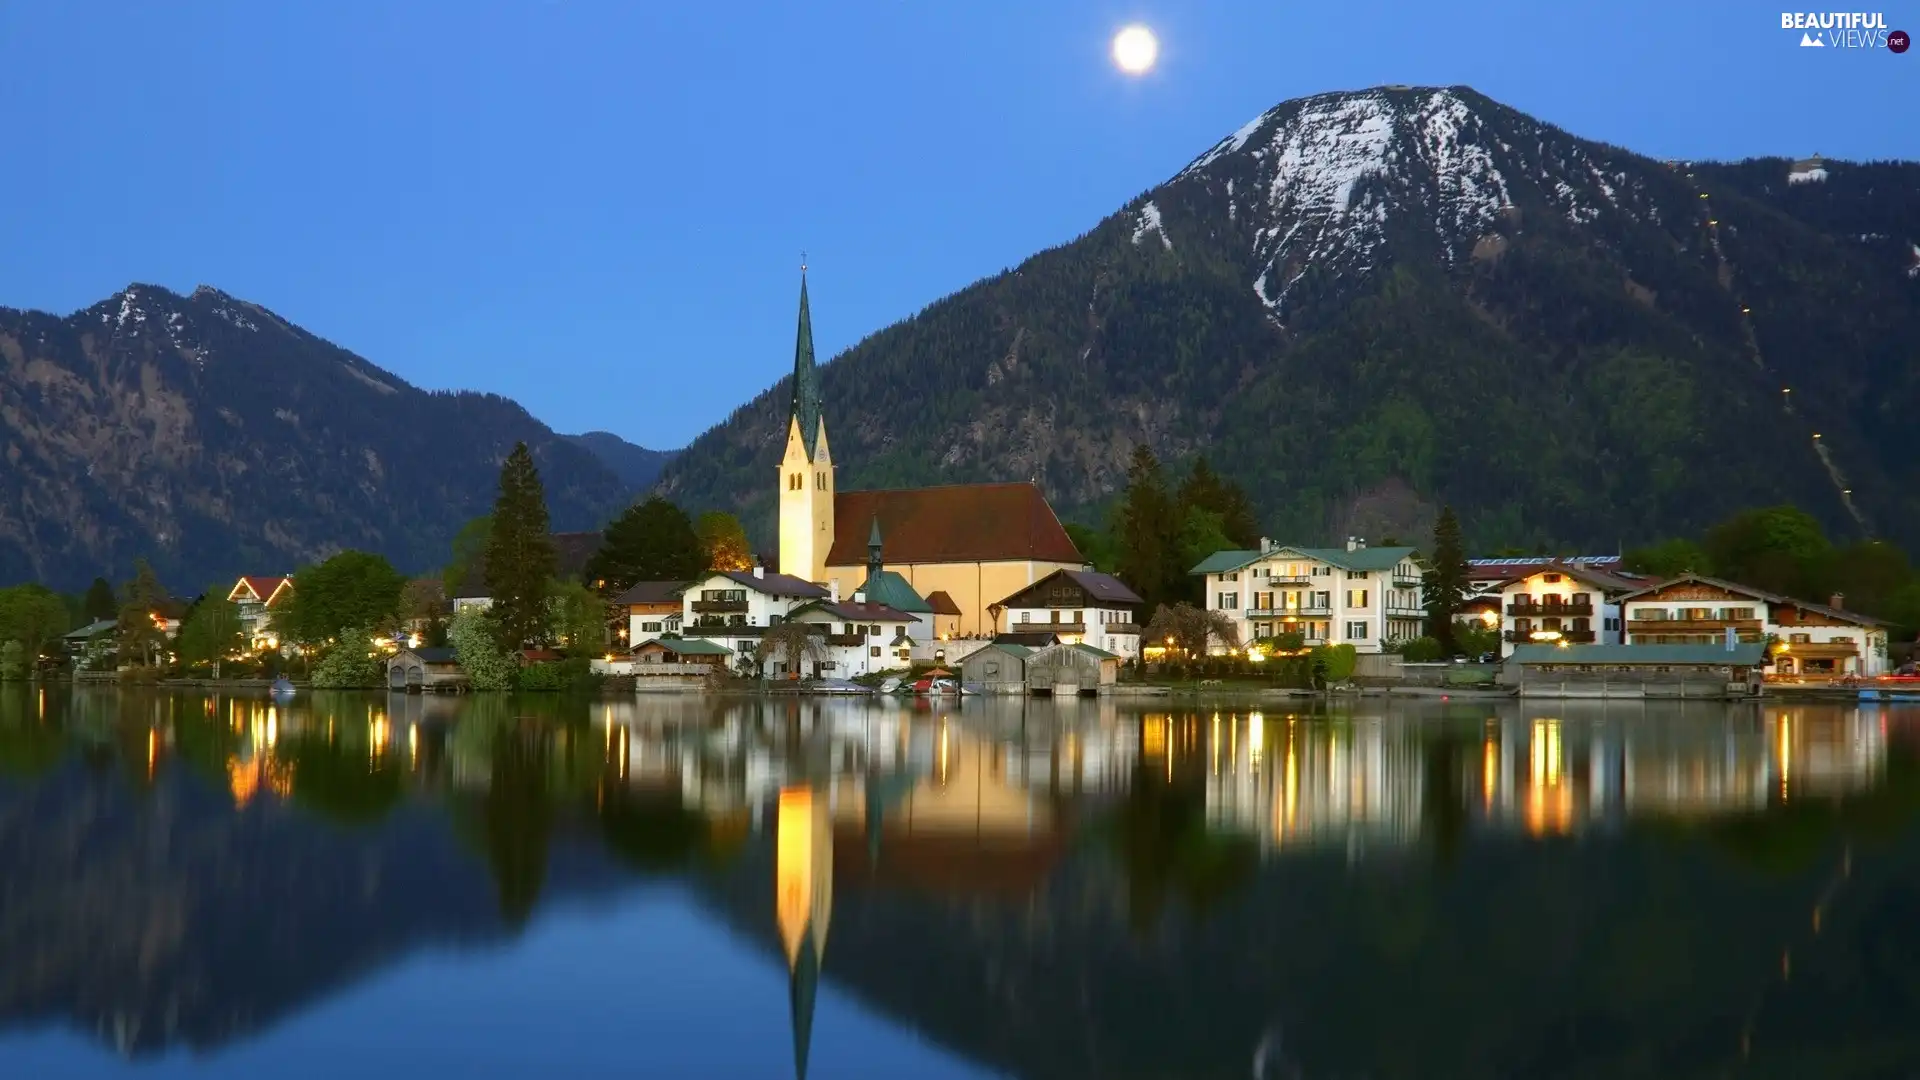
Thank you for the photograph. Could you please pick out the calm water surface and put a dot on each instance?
(214, 886)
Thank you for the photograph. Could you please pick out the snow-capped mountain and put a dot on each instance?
(1366, 304)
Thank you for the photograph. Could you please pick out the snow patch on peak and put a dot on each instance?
(226, 311)
(1231, 144)
(1150, 223)
(130, 310)
(1914, 270)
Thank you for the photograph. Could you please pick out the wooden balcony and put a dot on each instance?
(1642, 625)
(1534, 609)
(711, 607)
(1289, 580)
(1571, 637)
(1819, 650)
(846, 640)
(1123, 628)
(1400, 582)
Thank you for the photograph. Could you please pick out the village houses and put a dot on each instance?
(1808, 639)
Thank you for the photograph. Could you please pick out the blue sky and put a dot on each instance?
(598, 208)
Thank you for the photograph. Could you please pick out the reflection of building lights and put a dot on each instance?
(1785, 741)
(1256, 741)
(1490, 770)
(413, 743)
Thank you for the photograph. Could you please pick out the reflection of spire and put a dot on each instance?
(803, 902)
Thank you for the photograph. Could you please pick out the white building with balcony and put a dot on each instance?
(1818, 640)
(1562, 601)
(1354, 595)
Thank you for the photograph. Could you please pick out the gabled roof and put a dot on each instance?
(941, 603)
(1099, 588)
(1011, 648)
(93, 629)
(431, 655)
(769, 583)
(688, 646)
(1587, 575)
(1509, 567)
(1376, 558)
(1743, 654)
(1757, 594)
(652, 592)
(852, 612)
(1029, 639)
(889, 588)
(952, 523)
(263, 589)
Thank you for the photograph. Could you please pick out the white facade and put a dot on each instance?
(1812, 640)
(1113, 629)
(1559, 604)
(1357, 596)
(861, 639)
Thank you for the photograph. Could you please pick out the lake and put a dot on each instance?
(206, 885)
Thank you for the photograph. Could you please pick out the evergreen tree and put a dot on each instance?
(1204, 489)
(652, 541)
(1445, 583)
(519, 554)
(725, 541)
(1147, 531)
(141, 638)
(100, 602)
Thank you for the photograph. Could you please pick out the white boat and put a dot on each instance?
(890, 685)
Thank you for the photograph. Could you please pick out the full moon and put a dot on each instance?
(1135, 49)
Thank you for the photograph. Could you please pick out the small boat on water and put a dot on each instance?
(890, 686)
(940, 683)
(282, 687)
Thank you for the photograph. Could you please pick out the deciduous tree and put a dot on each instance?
(579, 617)
(519, 553)
(352, 589)
(33, 615)
(651, 541)
(476, 644)
(797, 644)
(211, 631)
(1187, 629)
(725, 541)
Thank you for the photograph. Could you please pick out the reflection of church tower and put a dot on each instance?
(803, 902)
(806, 470)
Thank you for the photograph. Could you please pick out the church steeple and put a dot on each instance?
(806, 377)
(874, 562)
(806, 467)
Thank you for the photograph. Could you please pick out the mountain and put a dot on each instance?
(636, 466)
(215, 438)
(1363, 305)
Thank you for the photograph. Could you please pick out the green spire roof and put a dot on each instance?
(806, 378)
(873, 534)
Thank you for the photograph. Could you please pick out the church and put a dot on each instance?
(959, 548)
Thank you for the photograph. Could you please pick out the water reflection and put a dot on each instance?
(1030, 883)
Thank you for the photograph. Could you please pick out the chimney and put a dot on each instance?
(1354, 543)
(1838, 601)
(833, 590)
(759, 569)
(860, 597)
(1266, 545)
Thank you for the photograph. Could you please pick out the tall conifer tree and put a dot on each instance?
(1148, 533)
(1445, 581)
(519, 559)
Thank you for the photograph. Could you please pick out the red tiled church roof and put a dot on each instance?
(953, 523)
